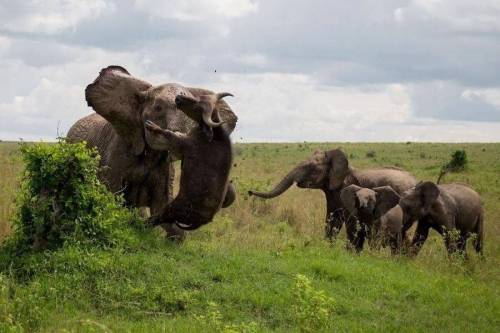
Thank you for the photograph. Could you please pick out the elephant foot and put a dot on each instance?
(353, 248)
(331, 232)
(144, 212)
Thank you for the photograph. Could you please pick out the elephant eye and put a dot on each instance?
(157, 108)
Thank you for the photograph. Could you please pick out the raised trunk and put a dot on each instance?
(281, 187)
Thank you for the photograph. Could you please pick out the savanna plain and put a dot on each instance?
(264, 265)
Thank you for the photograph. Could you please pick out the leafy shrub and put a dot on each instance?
(458, 161)
(214, 320)
(61, 200)
(313, 308)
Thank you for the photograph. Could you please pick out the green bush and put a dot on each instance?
(457, 163)
(313, 309)
(371, 154)
(61, 200)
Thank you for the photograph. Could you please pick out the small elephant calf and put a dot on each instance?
(206, 155)
(380, 218)
(453, 210)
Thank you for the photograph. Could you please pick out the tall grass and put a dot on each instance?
(10, 167)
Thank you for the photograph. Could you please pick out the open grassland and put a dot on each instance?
(264, 266)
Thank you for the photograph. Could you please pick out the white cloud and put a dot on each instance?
(40, 102)
(48, 16)
(254, 59)
(41, 112)
(288, 107)
(5, 43)
(197, 10)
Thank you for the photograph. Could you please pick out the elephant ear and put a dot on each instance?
(387, 198)
(225, 112)
(349, 197)
(429, 193)
(339, 168)
(117, 97)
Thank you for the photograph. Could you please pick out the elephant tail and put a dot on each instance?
(478, 241)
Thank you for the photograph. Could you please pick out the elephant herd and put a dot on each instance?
(140, 130)
(381, 204)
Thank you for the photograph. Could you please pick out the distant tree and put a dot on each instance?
(457, 163)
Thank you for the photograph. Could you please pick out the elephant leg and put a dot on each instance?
(395, 245)
(161, 197)
(395, 242)
(406, 240)
(450, 243)
(478, 239)
(419, 237)
(374, 234)
(356, 234)
(462, 245)
(333, 223)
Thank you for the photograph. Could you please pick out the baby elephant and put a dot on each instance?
(380, 218)
(206, 155)
(453, 210)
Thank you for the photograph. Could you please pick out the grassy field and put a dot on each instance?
(264, 266)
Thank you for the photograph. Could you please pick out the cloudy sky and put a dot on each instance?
(372, 70)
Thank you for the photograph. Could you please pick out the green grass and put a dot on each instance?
(243, 272)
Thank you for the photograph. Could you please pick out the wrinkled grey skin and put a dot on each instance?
(206, 154)
(447, 209)
(375, 209)
(329, 171)
(130, 162)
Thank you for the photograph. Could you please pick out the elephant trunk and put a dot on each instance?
(281, 187)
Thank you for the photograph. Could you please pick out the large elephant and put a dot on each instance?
(131, 162)
(329, 171)
(447, 209)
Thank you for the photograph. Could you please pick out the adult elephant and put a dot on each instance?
(130, 162)
(330, 172)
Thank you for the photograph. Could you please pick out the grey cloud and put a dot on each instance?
(446, 101)
(305, 37)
